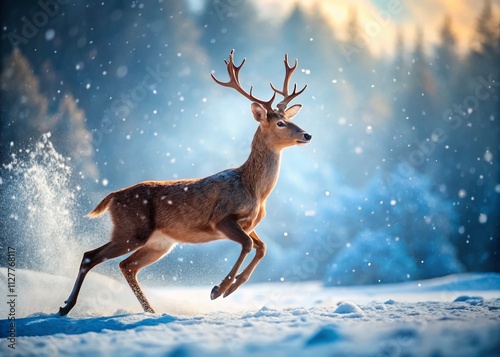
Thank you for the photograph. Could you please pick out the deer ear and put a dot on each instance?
(259, 112)
(293, 110)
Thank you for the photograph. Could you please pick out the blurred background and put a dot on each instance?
(400, 182)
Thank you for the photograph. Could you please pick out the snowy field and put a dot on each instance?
(452, 316)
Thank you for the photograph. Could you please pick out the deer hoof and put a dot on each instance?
(214, 294)
(63, 311)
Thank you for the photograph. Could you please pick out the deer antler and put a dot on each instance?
(287, 97)
(234, 82)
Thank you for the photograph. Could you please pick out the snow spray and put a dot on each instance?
(39, 209)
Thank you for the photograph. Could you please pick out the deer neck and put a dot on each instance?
(261, 170)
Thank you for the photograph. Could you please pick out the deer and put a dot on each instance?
(151, 217)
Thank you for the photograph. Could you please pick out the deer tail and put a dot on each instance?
(101, 207)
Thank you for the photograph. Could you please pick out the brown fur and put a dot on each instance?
(149, 218)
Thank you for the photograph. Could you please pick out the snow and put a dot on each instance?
(457, 315)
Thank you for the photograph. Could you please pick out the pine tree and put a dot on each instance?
(355, 44)
(72, 138)
(24, 109)
(420, 96)
(474, 145)
(398, 73)
(25, 117)
(486, 30)
(446, 56)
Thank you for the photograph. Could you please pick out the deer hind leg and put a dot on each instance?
(260, 252)
(143, 257)
(233, 231)
(90, 259)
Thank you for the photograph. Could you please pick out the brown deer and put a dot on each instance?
(151, 217)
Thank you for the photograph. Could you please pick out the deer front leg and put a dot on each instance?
(233, 231)
(260, 252)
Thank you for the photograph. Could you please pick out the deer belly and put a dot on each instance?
(194, 236)
(248, 223)
(161, 242)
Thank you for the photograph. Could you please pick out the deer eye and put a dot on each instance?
(281, 124)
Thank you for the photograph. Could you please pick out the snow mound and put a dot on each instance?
(472, 300)
(349, 308)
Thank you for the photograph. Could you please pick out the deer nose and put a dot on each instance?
(307, 136)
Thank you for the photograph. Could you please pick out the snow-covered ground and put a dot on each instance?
(452, 316)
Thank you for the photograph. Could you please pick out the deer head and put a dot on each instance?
(275, 124)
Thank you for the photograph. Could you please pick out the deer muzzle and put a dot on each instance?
(305, 139)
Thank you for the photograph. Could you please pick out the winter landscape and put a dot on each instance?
(382, 233)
